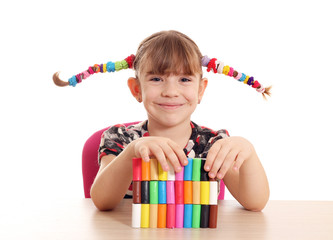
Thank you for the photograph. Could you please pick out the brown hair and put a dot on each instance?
(168, 52)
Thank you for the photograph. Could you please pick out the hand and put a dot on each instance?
(227, 152)
(162, 149)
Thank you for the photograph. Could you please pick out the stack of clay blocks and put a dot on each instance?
(187, 199)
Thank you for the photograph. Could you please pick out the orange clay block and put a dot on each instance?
(153, 170)
(145, 168)
(188, 193)
(161, 219)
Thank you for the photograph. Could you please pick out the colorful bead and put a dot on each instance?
(130, 60)
(231, 72)
(72, 81)
(212, 65)
(110, 66)
(78, 78)
(220, 67)
(242, 78)
(118, 66)
(256, 84)
(91, 71)
(226, 70)
(246, 79)
(250, 81)
(205, 60)
(96, 68)
(239, 76)
(85, 74)
(124, 64)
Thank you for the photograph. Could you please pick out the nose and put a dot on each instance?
(170, 89)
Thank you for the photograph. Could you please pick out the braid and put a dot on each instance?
(102, 68)
(219, 67)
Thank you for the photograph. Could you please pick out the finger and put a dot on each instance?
(171, 157)
(218, 162)
(229, 160)
(211, 156)
(160, 156)
(144, 153)
(179, 153)
(239, 161)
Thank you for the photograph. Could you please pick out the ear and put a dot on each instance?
(134, 86)
(202, 87)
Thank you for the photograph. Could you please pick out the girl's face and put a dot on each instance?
(168, 99)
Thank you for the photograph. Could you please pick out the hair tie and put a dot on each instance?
(102, 68)
(219, 67)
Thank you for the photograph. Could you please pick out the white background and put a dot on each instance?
(287, 44)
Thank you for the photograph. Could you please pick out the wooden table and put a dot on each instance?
(79, 219)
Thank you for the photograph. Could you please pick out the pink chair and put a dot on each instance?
(90, 162)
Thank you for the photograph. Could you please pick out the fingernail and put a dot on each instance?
(207, 168)
(178, 169)
(235, 168)
(219, 175)
(211, 175)
(146, 159)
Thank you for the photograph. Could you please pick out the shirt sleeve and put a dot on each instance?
(113, 141)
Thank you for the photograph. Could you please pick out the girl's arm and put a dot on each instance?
(249, 186)
(235, 161)
(112, 180)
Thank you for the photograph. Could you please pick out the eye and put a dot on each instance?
(155, 79)
(185, 80)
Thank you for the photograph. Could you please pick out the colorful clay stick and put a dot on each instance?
(203, 173)
(188, 193)
(153, 192)
(196, 192)
(145, 215)
(162, 175)
(204, 192)
(179, 215)
(153, 215)
(153, 169)
(196, 216)
(179, 192)
(213, 210)
(204, 220)
(162, 198)
(136, 192)
(196, 169)
(188, 215)
(145, 170)
(171, 173)
(179, 176)
(171, 216)
(145, 192)
(188, 170)
(213, 193)
(136, 215)
(170, 189)
(161, 219)
(136, 169)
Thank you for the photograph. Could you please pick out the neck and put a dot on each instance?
(179, 133)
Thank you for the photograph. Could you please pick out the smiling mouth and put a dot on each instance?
(170, 106)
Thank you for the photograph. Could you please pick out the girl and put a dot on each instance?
(168, 81)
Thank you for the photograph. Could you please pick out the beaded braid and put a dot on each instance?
(219, 67)
(211, 64)
(108, 67)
